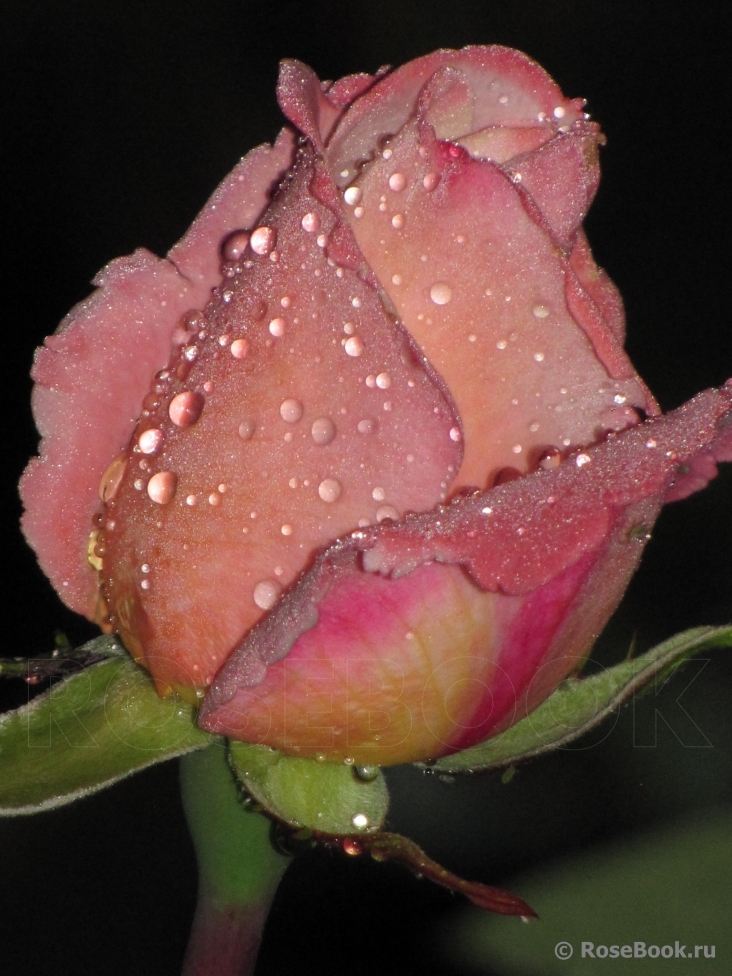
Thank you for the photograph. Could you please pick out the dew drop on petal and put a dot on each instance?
(191, 500)
(367, 426)
(234, 245)
(430, 181)
(397, 182)
(383, 381)
(246, 429)
(311, 223)
(263, 240)
(354, 346)
(277, 327)
(291, 411)
(323, 430)
(582, 459)
(378, 494)
(440, 293)
(330, 490)
(386, 512)
(239, 348)
(540, 311)
(397, 221)
(150, 441)
(550, 458)
(286, 529)
(266, 593)
(539, 357)
(161, 487)
(396, 279)
(455, 434)
(352, 195)
(185, 408)
(360, 821)
(559, 112)
(112, 479)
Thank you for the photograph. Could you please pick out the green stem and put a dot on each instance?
(239, 869)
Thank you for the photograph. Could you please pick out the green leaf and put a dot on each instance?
(668, 886)
(578, 705)
(88, 731)
(325, 797)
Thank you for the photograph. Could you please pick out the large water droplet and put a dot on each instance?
(397, 182)
(323, 430)
(266, 593)
(277, 327)
(150, 441)
(239, 348)
(354, 346)
(246, 429)
(185, 408)
(383, 381)
(234, 245)
(263, 240)
(311, 223)
(112, 478)
(440, 293)
(330, 490)
(161, 487)
(360, 821)
(291, 411)
(366, 773)
(430, 181)
(352, 195)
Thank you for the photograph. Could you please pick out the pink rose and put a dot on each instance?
(395, 474)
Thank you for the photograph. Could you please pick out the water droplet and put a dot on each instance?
(360, 821)
(386, 512)
(559, 112)
(277, 327)
(517, 449)
(266, 593)
(367, 426)
(539, 357)
(291, 411)
(150, 441)
(354, 346)
(246, 429)
(191, 353)
(322, 240)
(396, 279)
(185, 408)
(397, 182)
(651, 442)
(550, 458)
(430, 181)
(378, 494)
(311, 223)
(503, 99)
(540, 311)
(214, 500)
(239, 348)
(112, 479)
(352, 847)
(455, 434)
(582, 459)
(234, 245)
(440, 293)
(501, 344)
(330, 490)
(397, 221)
(352, 195)
(224, 340)
(383, 381)
(286, 529)
(161, 487)
(191, 500)
(323, 430)
(263, 240)
(366, 773)
(145, 568)
(370, 381)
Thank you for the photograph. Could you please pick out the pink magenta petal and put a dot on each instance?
(451, 661)
(326, 418)
(92, 375)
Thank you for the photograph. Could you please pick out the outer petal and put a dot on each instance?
(312, 413)
(417, 660)
(92, 375)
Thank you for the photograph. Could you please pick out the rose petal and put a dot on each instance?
(400, 667)
(92, 375)
(329, 420)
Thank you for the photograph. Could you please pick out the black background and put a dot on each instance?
(118, 119)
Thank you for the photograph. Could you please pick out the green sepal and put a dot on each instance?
(325, 797)
(86, 732)
(579, 704)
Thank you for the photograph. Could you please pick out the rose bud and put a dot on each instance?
(393, 470)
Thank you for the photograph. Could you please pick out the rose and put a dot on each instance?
(414, 319)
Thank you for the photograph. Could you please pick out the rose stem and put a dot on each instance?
(239, 869)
